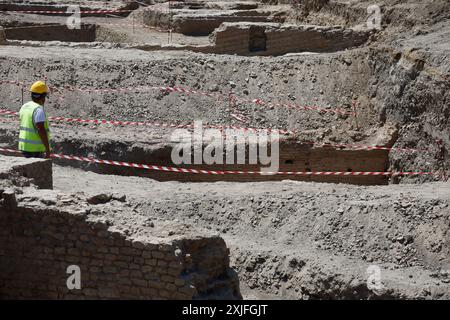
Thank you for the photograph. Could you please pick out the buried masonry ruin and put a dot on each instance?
(362, 116)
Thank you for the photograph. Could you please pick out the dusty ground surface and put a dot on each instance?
(288, 239)
(301, 240)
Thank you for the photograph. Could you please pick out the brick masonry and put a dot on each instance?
(239, 38)
(236, 38)
(36, 171)
(41, 238)
(293, 157)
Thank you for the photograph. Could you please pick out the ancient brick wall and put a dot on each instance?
(293, 157)
(202, 18)
(38, 243)
(36, 171)
(233, 38)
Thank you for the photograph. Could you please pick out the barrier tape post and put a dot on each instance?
(355, 114)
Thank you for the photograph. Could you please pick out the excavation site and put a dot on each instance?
(225, 150)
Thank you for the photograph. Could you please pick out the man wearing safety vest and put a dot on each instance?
(34, 136)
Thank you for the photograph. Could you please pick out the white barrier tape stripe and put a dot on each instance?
(65, 12)
(189, 126)
(282, 131)
(190, 91)
(239, 118)
(101, 23)
(147, 9)
(137, 25)
(170, 125)
(102, 3)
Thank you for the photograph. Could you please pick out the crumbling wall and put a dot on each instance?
(36, 171)
(202, 18)
(293, 157)
(205, 25)
(39, 242)
(236, 38)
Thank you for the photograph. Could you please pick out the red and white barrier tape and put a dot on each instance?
(239, 117)
(65, 12)
(219, 172)
(105, 2)
(220, 96)
(136, 25)
(112, 122)
(221, 127)
(153, 124)
(8, 112)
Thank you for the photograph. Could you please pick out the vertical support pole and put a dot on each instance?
(355, 115)
(22, 94)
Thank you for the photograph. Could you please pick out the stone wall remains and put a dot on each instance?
(236, 38)
(43, 233)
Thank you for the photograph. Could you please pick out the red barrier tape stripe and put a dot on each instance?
(196, 92)
(155, 124)
(65, 12)
(239, 117)
(8, 112)
(137, 25)
(223, 127)
(104, 3)
(216, 172)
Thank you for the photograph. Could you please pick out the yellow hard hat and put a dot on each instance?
(39, 87)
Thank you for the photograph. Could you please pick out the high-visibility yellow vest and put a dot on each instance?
(29, 139)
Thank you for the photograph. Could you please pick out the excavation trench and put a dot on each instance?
(293, 157)
(52, 32)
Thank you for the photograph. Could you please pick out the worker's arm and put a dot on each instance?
(44, 138)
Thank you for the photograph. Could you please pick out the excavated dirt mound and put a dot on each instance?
(304, 240)
(287, 239)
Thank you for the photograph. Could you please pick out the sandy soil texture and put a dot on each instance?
(287, 239)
